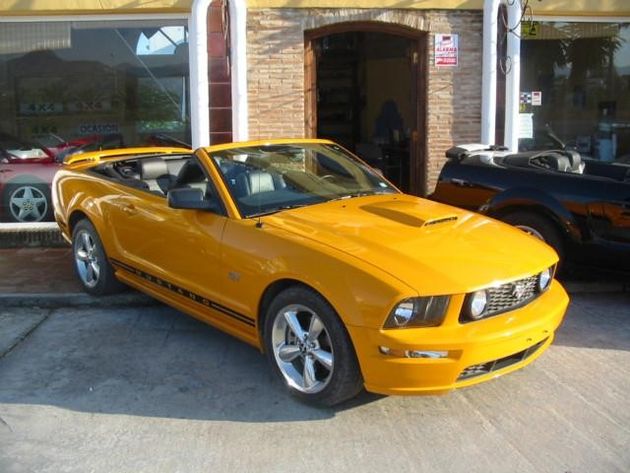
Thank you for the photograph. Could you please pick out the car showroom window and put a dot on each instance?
(575, 88)
(70, 87)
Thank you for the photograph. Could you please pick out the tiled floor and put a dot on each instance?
(37, 270)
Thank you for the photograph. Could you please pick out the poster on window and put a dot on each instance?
(446, 50)
(526, 125)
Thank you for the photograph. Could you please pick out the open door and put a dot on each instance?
(365, 89)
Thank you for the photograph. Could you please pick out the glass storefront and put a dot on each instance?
(575, 84)
(78, 86)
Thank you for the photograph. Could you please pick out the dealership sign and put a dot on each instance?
(98, 128)
(446, 50)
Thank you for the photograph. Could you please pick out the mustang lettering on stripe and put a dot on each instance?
(184, 292)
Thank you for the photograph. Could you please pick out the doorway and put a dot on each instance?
(365, 90)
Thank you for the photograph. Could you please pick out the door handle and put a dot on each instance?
(460, 182)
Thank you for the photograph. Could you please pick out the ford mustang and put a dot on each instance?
(581, 207)
(300, 249)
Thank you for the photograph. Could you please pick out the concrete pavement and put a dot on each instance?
(126, 384)
(147, 389)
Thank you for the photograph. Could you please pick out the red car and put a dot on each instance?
(27, 170)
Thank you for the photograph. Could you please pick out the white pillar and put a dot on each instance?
(489, 72)
(513, 79)
(238, 29)
(199, 72)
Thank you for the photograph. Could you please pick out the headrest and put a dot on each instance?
(574, 158)
(152, 168)
(190, 173)
(260, 181)
(558, 162)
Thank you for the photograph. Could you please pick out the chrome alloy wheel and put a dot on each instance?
(28, 204)
(87, 259)
(530, 231)
(302, 348)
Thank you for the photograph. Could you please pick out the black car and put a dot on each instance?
(581, 207)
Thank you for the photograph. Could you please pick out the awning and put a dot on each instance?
(80, 7)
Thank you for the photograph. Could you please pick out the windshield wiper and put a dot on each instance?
(277, 209)
(352, 195)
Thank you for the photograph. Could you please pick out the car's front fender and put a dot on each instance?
(256, 257)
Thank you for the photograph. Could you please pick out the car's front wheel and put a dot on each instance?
(309, 348)
(90, 261)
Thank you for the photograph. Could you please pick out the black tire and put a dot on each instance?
(27, 202)
(91, 264)
(343, 381)
(538, 226)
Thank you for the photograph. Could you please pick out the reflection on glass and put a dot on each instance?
(74, 87)
(268, 179)
(583, 73)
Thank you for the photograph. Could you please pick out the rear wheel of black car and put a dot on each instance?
(540, 227)
(90, 261)
(309, 348)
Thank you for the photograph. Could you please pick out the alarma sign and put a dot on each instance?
(446, 50)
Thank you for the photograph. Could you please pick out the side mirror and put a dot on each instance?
(185, 198)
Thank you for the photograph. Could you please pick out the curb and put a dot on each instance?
(78, 299)
(31, 235)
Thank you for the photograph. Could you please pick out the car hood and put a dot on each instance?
(433, 248)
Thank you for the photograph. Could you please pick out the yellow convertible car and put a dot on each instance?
(300, 249)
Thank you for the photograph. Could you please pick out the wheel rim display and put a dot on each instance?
(302, 348)
(28, 204)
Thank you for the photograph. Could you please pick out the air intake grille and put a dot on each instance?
(495, 365)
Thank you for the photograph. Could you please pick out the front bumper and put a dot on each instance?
(475, 352)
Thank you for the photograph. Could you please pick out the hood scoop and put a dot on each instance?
(406, 214)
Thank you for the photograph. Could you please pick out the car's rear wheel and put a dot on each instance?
(90, 261)
(27, 202)
(540, 227)
(309, 348)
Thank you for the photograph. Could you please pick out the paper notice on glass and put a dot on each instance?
(536, 98)
(526, 125)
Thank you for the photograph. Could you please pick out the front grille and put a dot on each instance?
(495, 365)
(507, 297)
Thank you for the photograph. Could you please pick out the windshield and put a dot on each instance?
(11, 147)
(270, 178)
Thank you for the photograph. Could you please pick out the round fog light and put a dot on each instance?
(478, 303)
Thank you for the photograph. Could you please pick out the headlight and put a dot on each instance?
(544, 279)
(418, 312)
(476, 304)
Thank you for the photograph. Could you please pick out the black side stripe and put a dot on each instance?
(184, 292)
